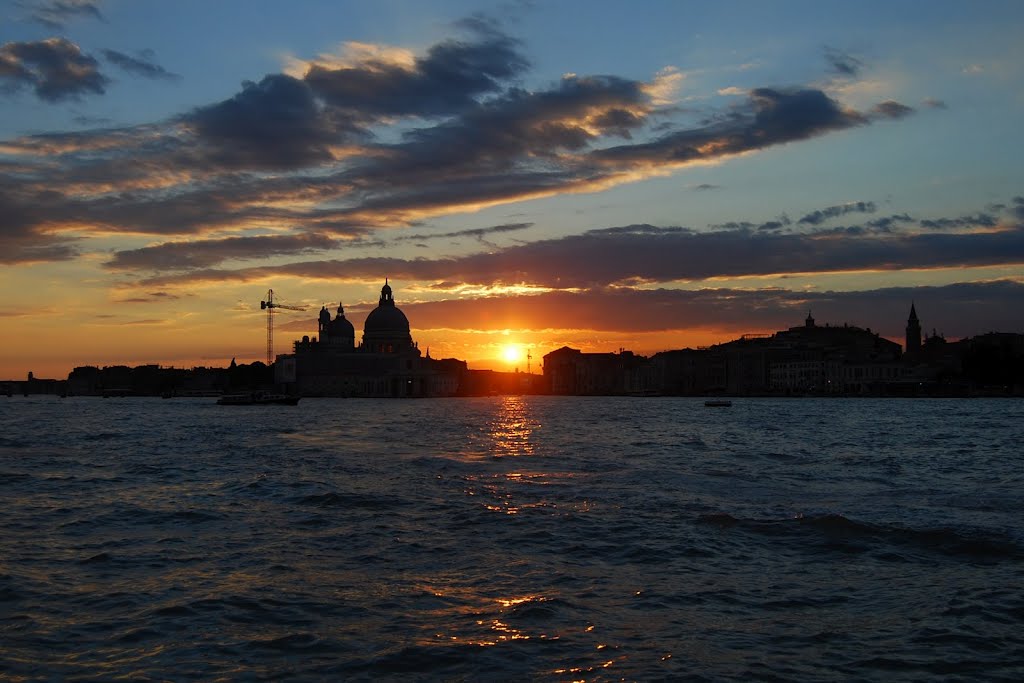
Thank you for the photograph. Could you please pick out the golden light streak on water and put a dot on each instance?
(512, 428)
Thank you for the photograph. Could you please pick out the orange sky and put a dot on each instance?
(51, 343)
(211, 326)
(516, 187)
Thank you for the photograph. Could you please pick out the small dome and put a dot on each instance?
(341, 327)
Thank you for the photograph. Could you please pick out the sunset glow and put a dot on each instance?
(521, 190)
(512, 354)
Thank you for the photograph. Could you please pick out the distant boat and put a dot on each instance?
(718, 403)
(257, 398)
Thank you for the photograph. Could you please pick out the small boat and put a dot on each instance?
(257, 398)
(718, 403)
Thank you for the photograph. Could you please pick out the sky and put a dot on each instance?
(527, 175)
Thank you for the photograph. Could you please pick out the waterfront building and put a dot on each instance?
(570, 371)
(801, 360)
(387, 363)
(831, 359)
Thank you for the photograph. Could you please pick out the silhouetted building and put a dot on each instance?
(806, 359)
(689, 372)
(388, 363)
(570, 371)
(829, 359)
(994, 363)
(913, 333)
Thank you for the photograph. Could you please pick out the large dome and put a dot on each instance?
(386, 328)
(386, 320)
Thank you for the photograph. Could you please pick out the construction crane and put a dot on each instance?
(270, 305)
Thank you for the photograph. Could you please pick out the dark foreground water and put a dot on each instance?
(512, 539)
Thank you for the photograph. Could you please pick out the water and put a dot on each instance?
(512, 538)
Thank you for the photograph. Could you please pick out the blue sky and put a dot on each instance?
(643, 175)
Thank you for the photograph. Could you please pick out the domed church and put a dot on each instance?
(386, 364)
(387, 329)
(338, 333)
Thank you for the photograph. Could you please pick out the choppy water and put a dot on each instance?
(512, 539)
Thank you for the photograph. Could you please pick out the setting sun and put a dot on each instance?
(511, 353)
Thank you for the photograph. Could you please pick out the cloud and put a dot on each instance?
(56, 13)
(383, 140)
(514, 128)
(958, 310)
(478, 233)
(35, 250)
(445, 81)
(747, 226)
(55, 68)
(150, 297)
(891, 110)
(770, 117)
(645, 253)
(843, 63)
(275, 123)
(20, 241)
(1018, 208)
(889, 223)
(822, 215)
(141, 65)
(206, 253)
(982, 220)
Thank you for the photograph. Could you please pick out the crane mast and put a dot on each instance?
(269, 304)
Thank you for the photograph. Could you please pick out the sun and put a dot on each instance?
(511, 353)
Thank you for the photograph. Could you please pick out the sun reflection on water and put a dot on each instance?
(494, 624)
(510, 493)
(512, 428)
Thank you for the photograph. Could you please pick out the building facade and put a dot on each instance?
(387, 364)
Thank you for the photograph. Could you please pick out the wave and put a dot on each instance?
(298, 643)
(539, 609)
(416, 659)
(14, 477)
(102, 436)
(350, 500)
(839, 532)
(101, 557)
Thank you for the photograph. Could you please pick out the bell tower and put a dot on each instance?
(913, 333)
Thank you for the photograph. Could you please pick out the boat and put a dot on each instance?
(718, 403)
(257, 398)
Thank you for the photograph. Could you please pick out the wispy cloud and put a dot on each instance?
(56, 13)
(891, 110)
(55, 68)
(206, 253)
(644, 253)
(957, 310)
(477, 233)
(822, 215)
(843, 63)
(143, 64)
